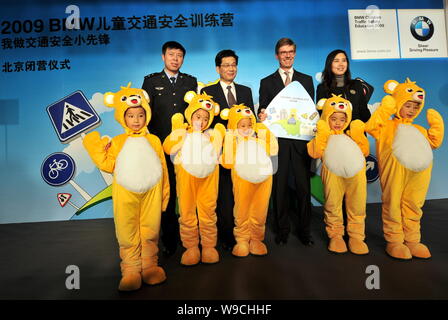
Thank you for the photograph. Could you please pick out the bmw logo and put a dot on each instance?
(422, 28)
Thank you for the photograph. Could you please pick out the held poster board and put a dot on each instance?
(292, 113)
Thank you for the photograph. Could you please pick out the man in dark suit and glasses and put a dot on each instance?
(293, 158)
(227, 93)
(166, 90)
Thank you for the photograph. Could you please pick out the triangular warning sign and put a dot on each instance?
(63, 198)
(73, 116)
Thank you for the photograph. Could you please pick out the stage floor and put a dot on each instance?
(34, 258)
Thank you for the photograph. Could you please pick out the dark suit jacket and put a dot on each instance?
(166, 100)
(273, 84)
(243, 95)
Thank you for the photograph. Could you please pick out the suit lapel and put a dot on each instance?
(295, 76)
(278, 81)
(239, 98)
(222, 95)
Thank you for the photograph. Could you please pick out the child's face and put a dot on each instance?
(337, 121)
(135, 118)
(409, 110)
(200, 119)
(244, 127)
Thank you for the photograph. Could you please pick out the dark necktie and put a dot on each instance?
(230, 97)
(173, 81)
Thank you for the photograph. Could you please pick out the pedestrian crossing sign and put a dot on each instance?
(72, 115)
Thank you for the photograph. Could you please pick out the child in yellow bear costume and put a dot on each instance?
(404, 152)
(195, 151)
(247, 147)
(343, 173)
(140, 189)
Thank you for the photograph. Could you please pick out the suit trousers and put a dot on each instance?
(169, 222)
(224, 208)
(293, 159)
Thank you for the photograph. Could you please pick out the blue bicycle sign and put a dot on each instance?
(58, 169)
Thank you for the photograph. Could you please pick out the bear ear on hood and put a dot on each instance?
(225, 114)
(189, 96)
(390, 85)
(217, 109)
(320, 104)
(350, 105)
(109, 99)
(146, 95)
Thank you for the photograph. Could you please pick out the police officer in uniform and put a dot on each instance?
(166, 90)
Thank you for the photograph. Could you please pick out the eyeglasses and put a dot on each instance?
(227, 66)
(284, 53)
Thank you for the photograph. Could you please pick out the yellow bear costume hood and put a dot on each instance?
(403, 92)
(335, 104)
(127, 98)
(200, 101)
(235, 114)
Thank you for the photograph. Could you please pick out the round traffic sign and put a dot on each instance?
(372, 171)
(57, 169)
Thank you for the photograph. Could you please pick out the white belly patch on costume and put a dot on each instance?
(343, 157)
(197, 156)
(411, 148)
(252, 163)
(138, 167)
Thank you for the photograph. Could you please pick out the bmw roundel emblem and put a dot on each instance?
(422, 28)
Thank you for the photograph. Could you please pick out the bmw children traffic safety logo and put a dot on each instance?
(422, 28)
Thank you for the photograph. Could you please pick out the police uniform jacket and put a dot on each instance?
(166, 99)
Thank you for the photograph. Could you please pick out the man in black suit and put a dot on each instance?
(293, 158)
(227, 93)
(166, 90)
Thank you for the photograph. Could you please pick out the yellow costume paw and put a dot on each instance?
(130, 282)
(177, 122)
(357, 128)
(209, 255)
(434, 118)
(357, 246)
(153, 275)
(337, 245)
(191, 257)
(398, 251)
(221, 129)
(241, 249)
(418, 250)
(258, 248)
(388, 105)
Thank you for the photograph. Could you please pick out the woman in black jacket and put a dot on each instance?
(336, 79)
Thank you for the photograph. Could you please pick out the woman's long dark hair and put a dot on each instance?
(328, 77)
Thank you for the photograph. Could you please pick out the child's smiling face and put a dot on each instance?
(245, 127)
(135, 118)
(337, 121)
(409, 110)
